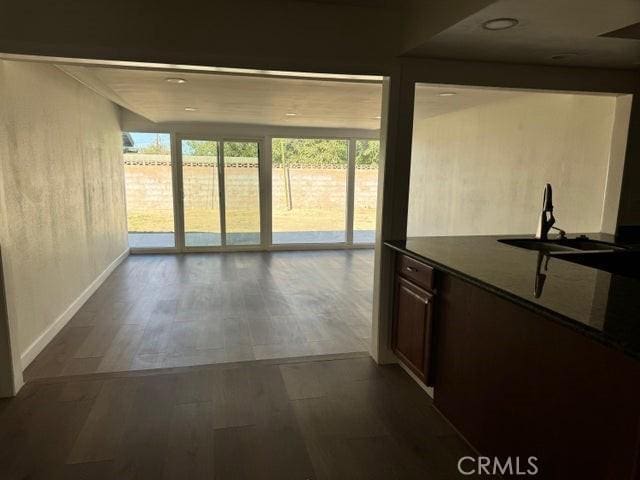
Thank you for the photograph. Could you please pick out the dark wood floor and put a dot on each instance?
(275, 419)
(116, 394)
(158, 311)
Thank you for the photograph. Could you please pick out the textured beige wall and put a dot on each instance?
(482, 170)
(61, 191)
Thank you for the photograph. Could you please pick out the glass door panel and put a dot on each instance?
(365, 191)
(149, 190)
(201, 193)
(309, 190)
(241, 192)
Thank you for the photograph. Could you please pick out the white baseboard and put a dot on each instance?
(43, 340)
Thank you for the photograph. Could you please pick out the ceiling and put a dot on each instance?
(253, 99)
(356, 36)
(238, 99)
(428, 102)
(546, 28)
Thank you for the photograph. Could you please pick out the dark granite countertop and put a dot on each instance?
(595, 302)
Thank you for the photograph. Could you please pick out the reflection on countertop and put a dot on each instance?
(594, 301)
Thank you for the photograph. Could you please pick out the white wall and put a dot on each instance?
(482, 170)
(62, 211)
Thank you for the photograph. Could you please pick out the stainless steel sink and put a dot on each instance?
(562, 246)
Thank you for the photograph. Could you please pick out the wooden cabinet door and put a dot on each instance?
(412, 327)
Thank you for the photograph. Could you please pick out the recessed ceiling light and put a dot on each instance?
(563, 56)
(290, 114)
(447, 94)
(176, 80)
(190, 109)
(500, 23)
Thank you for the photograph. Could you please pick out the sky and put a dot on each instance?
(143, 139)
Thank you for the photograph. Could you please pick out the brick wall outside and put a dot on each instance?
(149, 186)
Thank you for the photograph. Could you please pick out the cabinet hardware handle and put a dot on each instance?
(411, 269)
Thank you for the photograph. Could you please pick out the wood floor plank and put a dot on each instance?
(147, 361)
(303, 380)
(142, 309)
(257, 452)
(183, 336)
(99, 340)
(233, 399)
(322, 327)
(186, 358)
(120, 354)
(38, 441)
(115, 309)
(156, 337)
(334, 346)
(331, 417)
(102, 432)
(145, 439)
(236, 331)
(282, 350)
(83, 471)
(238, 353)
(211, 334)
(190, 451)
(83, 318)
(277, 303)
(255, 304)
(195, 387)
(75, 391)
(361, 458)
(53, 359)
(81, 366)
(322, 419)
(210, 308)
(275, 330)
(271, 404)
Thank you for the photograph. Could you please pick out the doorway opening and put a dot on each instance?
(227, 162)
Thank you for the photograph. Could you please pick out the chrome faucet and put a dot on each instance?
(546, 220)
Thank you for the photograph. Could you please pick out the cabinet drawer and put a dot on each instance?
(417, 272)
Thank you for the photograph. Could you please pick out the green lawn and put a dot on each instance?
(206, 220)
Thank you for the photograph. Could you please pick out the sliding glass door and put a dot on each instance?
(220, 192)
(190, 193)
(309, 190)
(201, 193)
(365, 190)
(149, 190)
(324, 191)
(241, 192)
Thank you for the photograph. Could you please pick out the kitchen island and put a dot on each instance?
(528, 354)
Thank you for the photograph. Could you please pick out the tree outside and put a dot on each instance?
(295, 151)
